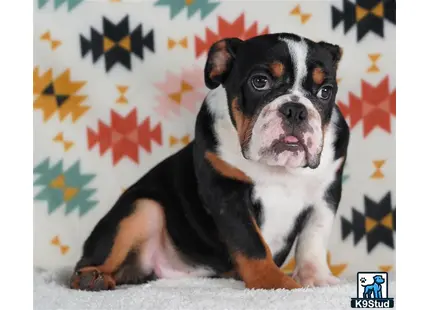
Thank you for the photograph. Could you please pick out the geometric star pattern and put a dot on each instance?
(116, 43)
(185, 90)
(377, 224)
(368, 16)
(58, 95)
(67, 187)
(374, 108)
(225, 30)
(71, 4)
(191, 6)
(124, 136)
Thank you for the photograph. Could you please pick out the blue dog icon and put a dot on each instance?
(374, 289)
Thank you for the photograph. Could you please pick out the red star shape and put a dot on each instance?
(227, 30)
(124, 136)
(375, 107)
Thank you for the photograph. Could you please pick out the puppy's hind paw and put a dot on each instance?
(91, 279)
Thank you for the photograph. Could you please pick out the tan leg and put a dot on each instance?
(262, 273)
(146, 221)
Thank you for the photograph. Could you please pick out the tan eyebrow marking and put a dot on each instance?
(277, 69)
(318, 75)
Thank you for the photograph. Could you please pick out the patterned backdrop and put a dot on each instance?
(117, 86)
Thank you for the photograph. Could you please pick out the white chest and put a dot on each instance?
(284, 199)
(281, 204)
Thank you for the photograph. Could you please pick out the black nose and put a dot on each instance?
(294, 112)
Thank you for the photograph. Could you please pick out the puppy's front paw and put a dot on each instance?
(310, 275)
(91, 279)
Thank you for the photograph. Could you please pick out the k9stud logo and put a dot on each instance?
(372, 291)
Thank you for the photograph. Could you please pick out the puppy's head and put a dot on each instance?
(281, 91)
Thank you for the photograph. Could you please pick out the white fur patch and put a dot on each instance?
(298, 52)
(217, 102)
(311, 251)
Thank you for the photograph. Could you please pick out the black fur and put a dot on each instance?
(334, 192)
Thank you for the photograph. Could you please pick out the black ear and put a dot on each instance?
(335, 51)
(220, 60)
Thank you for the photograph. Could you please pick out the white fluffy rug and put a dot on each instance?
(51, 293)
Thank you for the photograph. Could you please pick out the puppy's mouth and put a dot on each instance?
(287, 143)
(292, 142)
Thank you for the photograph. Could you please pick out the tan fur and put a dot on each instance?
(226, 169)
(262, 273)
(219, 59)
(243, 124)
(132, 230)
(146, 220)
(277, 69)
(318, 76)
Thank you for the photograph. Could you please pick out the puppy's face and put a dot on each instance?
(281, 91)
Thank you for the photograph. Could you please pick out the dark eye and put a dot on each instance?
(260, 82)
(325, 92)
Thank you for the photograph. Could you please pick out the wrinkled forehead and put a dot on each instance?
(295, 53)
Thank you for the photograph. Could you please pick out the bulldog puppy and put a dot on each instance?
(263, 171)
